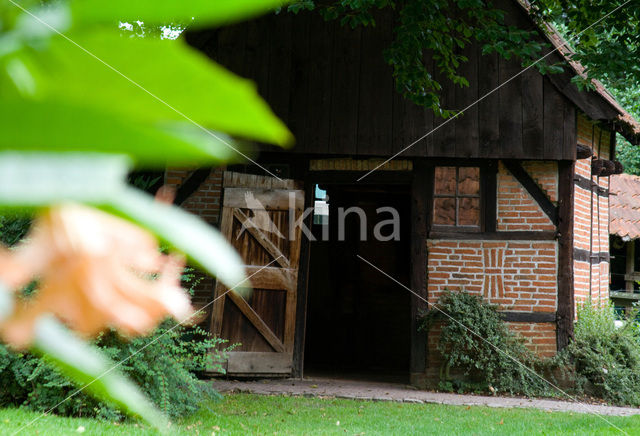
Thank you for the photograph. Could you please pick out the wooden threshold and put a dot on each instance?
(256, 362)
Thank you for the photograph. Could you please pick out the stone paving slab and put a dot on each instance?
(375, 391)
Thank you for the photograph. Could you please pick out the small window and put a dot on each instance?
(321, 207)
(456, 197)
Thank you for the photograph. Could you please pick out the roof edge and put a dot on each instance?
(619, 118)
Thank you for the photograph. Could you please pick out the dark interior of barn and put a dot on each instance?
(358, 321)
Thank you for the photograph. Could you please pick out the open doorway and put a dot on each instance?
(358, 321)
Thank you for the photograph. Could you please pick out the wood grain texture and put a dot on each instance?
(467, 135)
(217, 311)
(345, 90)
(276, 199)
(330, 84)
(258, 363)
(444, 135)
(255, 217)
(511, 109)
(255, 319)
(420, 193)
(375, 96)
(533, 113)
(566, 194)
(488, 114)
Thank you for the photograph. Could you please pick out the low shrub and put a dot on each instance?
(164, 364)
(471, 345)
(606, 358)
(603, 360)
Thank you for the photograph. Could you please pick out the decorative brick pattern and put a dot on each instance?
(518, 276)
(517, 210)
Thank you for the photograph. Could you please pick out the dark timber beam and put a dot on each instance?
(524, 235)
(566, 192)
(582, 255)
(303, 280)
(490, 189)
(534, 317)
(589, 185)
(540, 197)
(191, 185)
(421, 188)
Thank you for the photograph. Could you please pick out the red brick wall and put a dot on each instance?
(205, 202)
(591, 225)
(539, 337)
(517, 210)
(519, 276)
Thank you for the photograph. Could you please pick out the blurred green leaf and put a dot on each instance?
(92, 371)
(32, 180)
(70, 127)
(204, 12)
(41, 179)
(150, 81)
(199, 241)
(6, 302)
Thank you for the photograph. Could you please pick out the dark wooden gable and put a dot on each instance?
(332, 87)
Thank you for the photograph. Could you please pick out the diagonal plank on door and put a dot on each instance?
(255, 216)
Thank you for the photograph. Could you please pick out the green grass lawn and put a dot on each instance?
(241, 414)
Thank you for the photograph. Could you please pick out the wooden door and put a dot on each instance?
(255, 220)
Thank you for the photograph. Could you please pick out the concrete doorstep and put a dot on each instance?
(376, 391)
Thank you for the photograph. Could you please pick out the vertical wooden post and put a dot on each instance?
(631, 257)
(490, 191)
(303, 275)
(421, 188)
(566, 192)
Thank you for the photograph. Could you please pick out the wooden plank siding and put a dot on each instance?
(331, 86)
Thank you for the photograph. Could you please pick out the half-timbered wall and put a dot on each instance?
(518, 275)
(331, 86)
(517, 210)
(591, 233)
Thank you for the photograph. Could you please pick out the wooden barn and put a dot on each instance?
(509, 200)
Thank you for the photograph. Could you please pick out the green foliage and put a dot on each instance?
(629, 156)
(81, 103)
(166, 370)
(602, 361)
(13, 228)
(606, 358)
(442, 27)
(243, 414)
(445, 27)
(165, 364)
(472, 345)
(196, 12)
(607, 49)
(629, 97)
